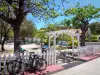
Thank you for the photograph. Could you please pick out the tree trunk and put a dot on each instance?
(16, 38)
(83, 38)
(32, 40)
(2, 47)
(2, 44)
(0, 39)
(84, 30)
(24, 41)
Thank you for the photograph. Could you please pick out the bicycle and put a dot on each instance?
(37, 62)
(40, 63)
(63, 56)
(66, 56)
(19, 66)
(16, 66)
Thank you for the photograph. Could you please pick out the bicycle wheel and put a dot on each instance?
(57, 58)
(22, 67)
(35, 63)
(13, 67)
(42, 64)
(10, 67)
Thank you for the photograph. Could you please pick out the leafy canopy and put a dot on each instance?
(86, 12)
(27, 29)
(81, 14)
(10, 9)
(95, 27)
(5, 29)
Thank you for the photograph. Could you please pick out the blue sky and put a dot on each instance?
(40, 24)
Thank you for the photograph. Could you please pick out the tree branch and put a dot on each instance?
(25, 13)
(8, 20)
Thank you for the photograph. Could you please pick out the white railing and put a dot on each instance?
(89, 49)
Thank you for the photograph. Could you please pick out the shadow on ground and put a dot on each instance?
(69, 65)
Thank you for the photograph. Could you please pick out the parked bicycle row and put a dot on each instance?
(29, 60)
(66, 57)
(19, 66)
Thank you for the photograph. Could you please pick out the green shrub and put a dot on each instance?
(94, 38)
(75, 43)
(86, 39)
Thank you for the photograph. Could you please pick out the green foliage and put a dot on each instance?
(87, 12)
(64, 37)
(14, 12)
(64, 24)
(44, 9)
(82, 14)
(40, 34)
(81, 17)
(40, 9)
(95, 28)
(94, 38)
(75, 43)
(11, 33)
(5, 29)
(27, 29)
(68, 39)
(51, 27)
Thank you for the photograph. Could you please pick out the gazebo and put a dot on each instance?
(55, 34)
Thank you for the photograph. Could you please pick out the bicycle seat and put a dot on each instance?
(36, 56)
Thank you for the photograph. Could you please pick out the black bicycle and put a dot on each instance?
(66, 56)
(16, 66)
(37, 62)
(63, 56)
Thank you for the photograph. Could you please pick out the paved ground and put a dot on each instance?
(28, 47)
(10, 46)
(88, 68)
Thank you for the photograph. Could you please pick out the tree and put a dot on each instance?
(64, 24)
(51, 27)
(14, 12)
(27, 29)
(5, 30)
(82, 16)
(41, 34)
(95, 27)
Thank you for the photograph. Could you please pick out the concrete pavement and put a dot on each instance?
(88, 68)
(28, 47)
